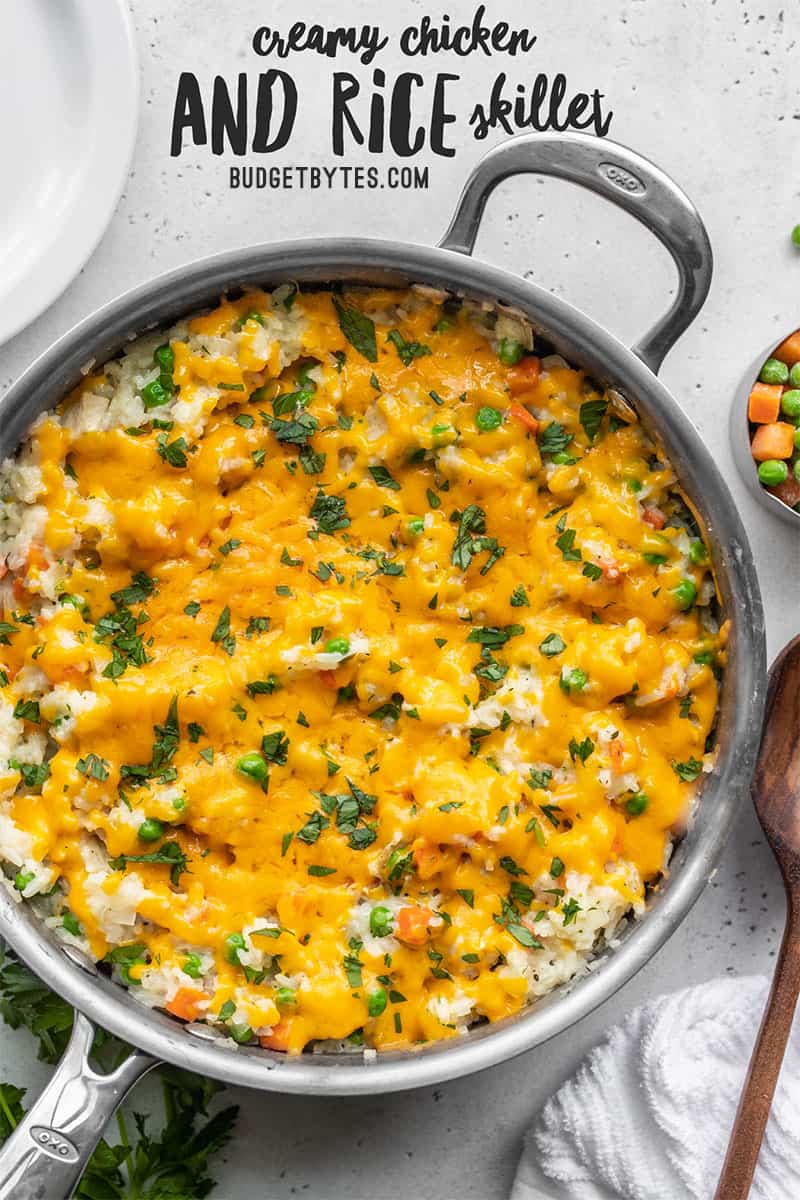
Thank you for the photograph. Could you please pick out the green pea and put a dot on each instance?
(22, 879)
(636, 804)
(376, 1002)
(154, 394)
(338, 645)
(797, 439)
(151, 830)
(415, 526)
(794, 375)
(192, 966)
(796, 470)
(285, 997)
(772, 472)
(796, 235)
(573, 679)
(510, 351)
(790, 403)
(562, 459)
(697, 552)
(164, 358)
(241, 1034)
(634, 485)
(179, 803)
(685, 594)
(488, 418)
(380, 921)
(234, 944)
(774, 371)
(254, 766)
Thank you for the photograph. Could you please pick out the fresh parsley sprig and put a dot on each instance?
(175, 1162)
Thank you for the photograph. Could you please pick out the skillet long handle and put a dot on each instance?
(627, 180)
(765, 1065)
(48, 1151)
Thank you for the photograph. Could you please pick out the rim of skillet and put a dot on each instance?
(582, 342)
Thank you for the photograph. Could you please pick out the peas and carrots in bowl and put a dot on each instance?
(773, 412)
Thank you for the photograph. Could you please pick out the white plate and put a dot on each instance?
(69, 101)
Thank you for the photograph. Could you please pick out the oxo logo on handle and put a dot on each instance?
(622, 178)
(54, 1143)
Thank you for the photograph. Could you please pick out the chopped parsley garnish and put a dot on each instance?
(139, 589)
(384, 479)
(539, 777)
(407, 351)
(27, 710)
(222, 635)
(296, 431)
(471, 540)
(275, 747)
(554, 439)
(358, 329)
(329, 512)
(688, 771)
(552, 645)
(311, 462)
(169, 854)
(33, 775)
(494, 636)
(591, 416)
(93, 767)
(519, 597)
(257, 625)
(566, 544)
(173, 453)
(580, 750)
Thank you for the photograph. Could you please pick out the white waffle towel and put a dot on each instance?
(648, 1113)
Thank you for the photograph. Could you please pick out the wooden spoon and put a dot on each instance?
(776, 794)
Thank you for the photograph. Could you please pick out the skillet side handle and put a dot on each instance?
(627, 180)
(48, 1151)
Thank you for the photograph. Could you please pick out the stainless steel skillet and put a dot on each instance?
(46, 1155)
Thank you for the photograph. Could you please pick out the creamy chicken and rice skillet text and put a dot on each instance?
(359, 664)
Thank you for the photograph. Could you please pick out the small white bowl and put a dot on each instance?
(740, 441)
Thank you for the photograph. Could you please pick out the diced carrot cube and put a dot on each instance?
(654, 517)
(186, 1003)
(411, 925)
(524, 376)
(773, 441)
(764, 403)
(789, 350)
(279, 1038)
(521, 414)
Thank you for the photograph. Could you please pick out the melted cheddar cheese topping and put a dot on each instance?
(360, 667)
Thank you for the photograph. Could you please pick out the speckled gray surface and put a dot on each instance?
(709, 91)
